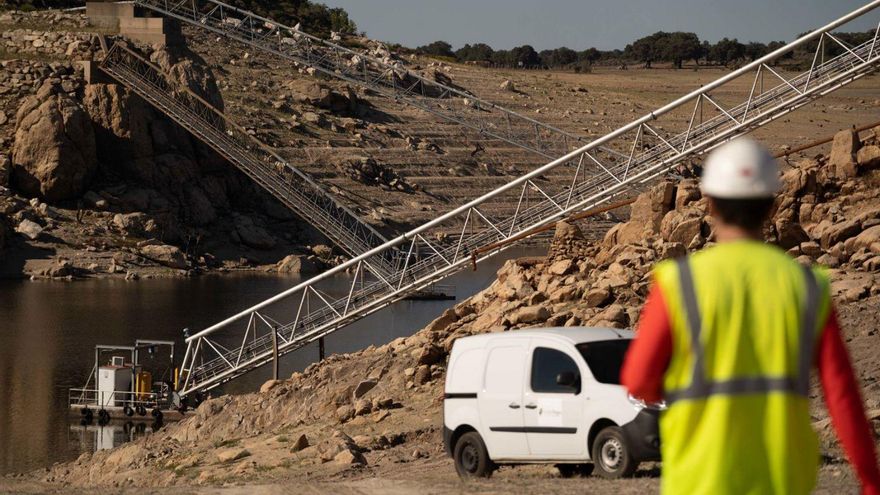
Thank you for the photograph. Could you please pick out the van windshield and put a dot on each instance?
(605, 358)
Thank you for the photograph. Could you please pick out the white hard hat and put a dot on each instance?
(740, 169)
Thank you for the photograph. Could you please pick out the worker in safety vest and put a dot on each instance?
(728, 337)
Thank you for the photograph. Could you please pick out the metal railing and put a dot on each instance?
(293, 188)
(99, 399)
(651, 146)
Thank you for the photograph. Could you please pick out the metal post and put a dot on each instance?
(274, 352)
(321, 349)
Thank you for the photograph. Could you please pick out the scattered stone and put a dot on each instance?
(170, 256)
(29, 229)
(344, 413)
(422, 375)
(230, 455)
(597, 297)
(363, 387)
(349, 457)
(298, 264)
(430, 354)
(842, 160)
(269, 385)
(301, 443)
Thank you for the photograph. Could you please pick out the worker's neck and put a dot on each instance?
(731, 233)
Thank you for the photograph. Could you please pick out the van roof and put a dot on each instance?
(572, 335)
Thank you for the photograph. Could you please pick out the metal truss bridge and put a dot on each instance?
(596, 173)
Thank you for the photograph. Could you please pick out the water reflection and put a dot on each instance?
(48, 331)
(91, 438)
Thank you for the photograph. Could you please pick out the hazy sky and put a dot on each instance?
(585, 23)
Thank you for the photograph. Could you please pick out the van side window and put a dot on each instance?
(547, 366)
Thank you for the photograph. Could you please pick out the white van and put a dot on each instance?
(545, 396)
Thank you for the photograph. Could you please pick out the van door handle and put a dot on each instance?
(513, 405)
(531, 406)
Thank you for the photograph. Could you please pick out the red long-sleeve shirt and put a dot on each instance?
(649, 355)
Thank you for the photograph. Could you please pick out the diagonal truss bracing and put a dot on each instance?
(381, 75)
(288, 184)
(584, 178)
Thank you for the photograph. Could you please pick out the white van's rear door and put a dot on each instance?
(500, 401)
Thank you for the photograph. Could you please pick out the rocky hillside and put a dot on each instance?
(378, 411)
(96, 182)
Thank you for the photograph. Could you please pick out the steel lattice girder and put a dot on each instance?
(591, 177)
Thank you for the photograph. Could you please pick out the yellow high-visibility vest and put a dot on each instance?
(746, 319)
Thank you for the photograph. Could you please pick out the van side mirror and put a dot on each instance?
(567, 379)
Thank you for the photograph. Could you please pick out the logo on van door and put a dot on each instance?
(549, 412)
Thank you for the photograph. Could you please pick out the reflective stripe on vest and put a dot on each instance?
(701, 388)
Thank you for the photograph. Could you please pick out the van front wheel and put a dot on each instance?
(472, 458)
(611, 454)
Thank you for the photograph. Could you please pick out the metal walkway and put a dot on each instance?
(652, 145)
(289, 185)
(384, 76)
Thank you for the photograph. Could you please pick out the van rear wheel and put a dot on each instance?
(611, 454)
(472, 458)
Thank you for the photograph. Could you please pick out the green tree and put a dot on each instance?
(560, 57)
(678, 47)
(727, 51)
(525, 57)
(645, 50)
(478, 52)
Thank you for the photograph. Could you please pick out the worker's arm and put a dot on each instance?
(649, 354)
(845, 406)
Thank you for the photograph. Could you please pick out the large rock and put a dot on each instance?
(842, 160)
(869, 157)
(869, 239)
(252, 234)
(29, 229)
(531, 314)
(363, 387)
(647, 213)
(137, 224)
(682, 225)
(319, 95)
(790, 234)
(230, 455)
(170, 256)
(5, 169)
(839, 232)
(54, 154)
(299, 264)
